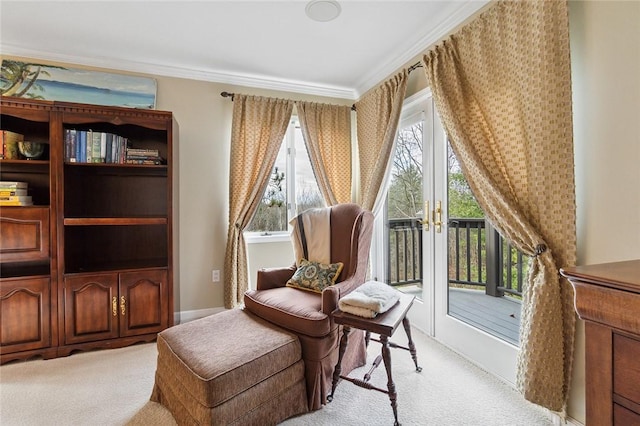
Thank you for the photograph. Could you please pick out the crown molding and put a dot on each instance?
(433, 36)
(255, 81)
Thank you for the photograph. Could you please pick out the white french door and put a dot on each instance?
(430, 312)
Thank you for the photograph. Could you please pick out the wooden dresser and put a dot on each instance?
(607, 298)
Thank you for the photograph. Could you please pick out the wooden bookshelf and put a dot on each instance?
(90, 265)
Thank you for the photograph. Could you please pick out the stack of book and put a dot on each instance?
(14, 194)
(143, 156)
(88, 146)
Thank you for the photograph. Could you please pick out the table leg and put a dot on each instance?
(412, 346)
(338, 368)
(386, 357)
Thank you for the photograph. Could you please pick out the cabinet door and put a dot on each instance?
(91, 310)
(144, 305)
(24, 314)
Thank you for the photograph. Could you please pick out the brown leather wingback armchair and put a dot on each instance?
(308, 314)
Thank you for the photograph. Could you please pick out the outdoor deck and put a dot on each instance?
(498, 316)
(486, 274)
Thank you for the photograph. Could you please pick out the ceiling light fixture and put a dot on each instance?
(323, 10)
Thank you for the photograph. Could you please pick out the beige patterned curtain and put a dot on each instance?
(502, 86)
(327, 133)
(259, 125)
(377, 116)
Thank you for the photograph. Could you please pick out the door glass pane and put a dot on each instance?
(485, 273)
(405, 212)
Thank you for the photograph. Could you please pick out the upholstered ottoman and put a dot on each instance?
(231, 368)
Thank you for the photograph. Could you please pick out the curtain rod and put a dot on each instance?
(353, 107)
(409, 70)
(414, 66)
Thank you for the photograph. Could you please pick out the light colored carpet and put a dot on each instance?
(112, 387)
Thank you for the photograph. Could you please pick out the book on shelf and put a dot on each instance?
(89, 147)
(97, 152)
(15, 204)
(144, 161)
(6, 185)
(143, 152)
(16, 200)
(9, 144)
(70, 145)
(108, 148)
(81, 146)
(12, 192)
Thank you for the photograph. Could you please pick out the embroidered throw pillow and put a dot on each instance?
(314, 276)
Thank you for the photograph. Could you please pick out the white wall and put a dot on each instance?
(268, 255)
(605, 58)
(605, 50)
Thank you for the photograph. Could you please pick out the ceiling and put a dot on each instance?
(265, 44)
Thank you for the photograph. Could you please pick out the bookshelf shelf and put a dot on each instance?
(97, 231)
(115, 221)
(124, 166)
(27, 163)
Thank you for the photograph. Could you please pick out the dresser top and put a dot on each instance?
(621, 275)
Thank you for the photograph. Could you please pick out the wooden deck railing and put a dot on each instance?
(478, 256)
(404, 259)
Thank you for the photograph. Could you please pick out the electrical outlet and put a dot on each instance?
(215, 275)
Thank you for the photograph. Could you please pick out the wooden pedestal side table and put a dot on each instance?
(607, 298)
(384, 325)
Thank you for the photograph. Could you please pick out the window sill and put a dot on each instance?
(257, 238)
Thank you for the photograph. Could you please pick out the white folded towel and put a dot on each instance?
(370, 299)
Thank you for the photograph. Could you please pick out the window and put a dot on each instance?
(284, 197)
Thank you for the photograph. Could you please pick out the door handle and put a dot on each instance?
(123, 305)
(437, 217)
(425, 221)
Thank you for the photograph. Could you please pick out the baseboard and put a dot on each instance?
(557, 421)
(574, 422)
(186, 316)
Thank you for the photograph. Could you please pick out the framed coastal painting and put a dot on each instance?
(49, 82)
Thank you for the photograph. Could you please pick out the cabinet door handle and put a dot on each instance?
(123, 305)
(114, 306)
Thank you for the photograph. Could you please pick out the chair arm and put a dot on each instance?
(332, 294)
(274, 277)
